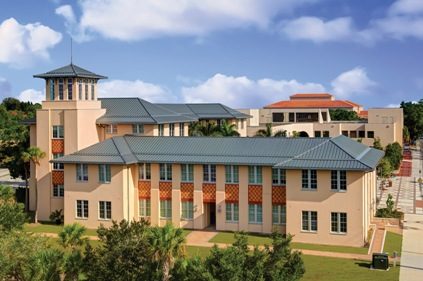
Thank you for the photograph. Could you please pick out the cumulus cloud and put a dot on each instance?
(32, 95)
(406, 7)
(137, 88)
(352, 82)
(242, 92)
(20, 44)
(66, 11)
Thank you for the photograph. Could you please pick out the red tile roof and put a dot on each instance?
(312, 104)
(363, 114)
(311, 96)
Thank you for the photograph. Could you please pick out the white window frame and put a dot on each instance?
(309, 185)
(171, 129)
(181, 129)
(338, 223)
(187, 173)
(86, 90)
(256, 218)
(279, 217)
(102, 172)
(167, 209)
(209, 173)
(144, 207)
(341, 184)
(278, 177)
(255, 175)
(58, 132)
(92, 90)
(80, 95)
(70, 88)
(107, 214)
(232, 211)
(160, 128)
(167, 171)
(58, 166)
(112, 129)
(144, 171)
(138, 129)
(187, 210)
(58, 190)
(61, 92)
(84, 213)
(309, 221)
(232, 174)
(82, 172)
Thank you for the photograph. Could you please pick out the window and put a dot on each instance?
(105, 210)
(187, 210)
(187, 173)
(58, 132)
(161, 130)
(171, 130)
(86, 90)
(165, 172)
(82, 209)
(80, 89)
(138, 129)
(209, 173)
(111, 129)
(317, 134)
(255, 213)
(345, 133)
(58, 190)
(181, 129)
(309, 179)
(291, 117)
(145, 207)
(309, 221)
(242, 124)
(58, 166)
(92, 90)
(338, 180)
(279, 214)
(325, 134)
(278, 177)
(51, 83)
(61, 89)
(353, 134)
(277, 117)
(232, 174)
(166, 209)
(338, 222)
(232, 212)
(254, 175)
(104, 174)
(324, 116)
(81, 172)
(70, 89)
(361, 134)
(144, 171)
(371, 134)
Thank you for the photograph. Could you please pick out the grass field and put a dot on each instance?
(393, 242)
(256, 239)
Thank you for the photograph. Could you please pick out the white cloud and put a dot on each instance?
(137, 88)
(393, 105)
(67, 12)
(20, 44)
(406, 7)
(318, 30)
(136, 20)
(352, 82)
(242, 92)
(32, 95)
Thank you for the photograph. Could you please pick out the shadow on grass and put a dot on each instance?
(364, 264)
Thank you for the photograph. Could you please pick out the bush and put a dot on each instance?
(393, 152)
(389, 211)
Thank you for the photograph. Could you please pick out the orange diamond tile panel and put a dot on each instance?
(209, 192)
(144, 189)
(231, 193)
(165, 188)
(279, 195)
(57, 177)
(255, 194)
(187, 191)
(57, 146)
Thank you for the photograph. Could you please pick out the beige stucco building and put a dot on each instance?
(309, 115)
(114, 159)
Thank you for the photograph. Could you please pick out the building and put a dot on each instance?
(72, 117)
(114, 159)
(309, 115)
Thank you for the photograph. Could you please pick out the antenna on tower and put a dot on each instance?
(71, 51)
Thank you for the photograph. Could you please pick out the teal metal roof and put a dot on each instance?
(71, 71)
(136, 110)
(284, 153)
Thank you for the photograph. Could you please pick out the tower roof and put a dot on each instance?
(70, 70)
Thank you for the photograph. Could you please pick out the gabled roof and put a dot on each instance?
(312, 104)
(72, 71)
(286, 153)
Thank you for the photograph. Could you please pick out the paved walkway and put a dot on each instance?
(412, 248)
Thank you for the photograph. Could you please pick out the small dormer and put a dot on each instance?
(70, 83)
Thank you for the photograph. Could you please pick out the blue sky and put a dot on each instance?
(244, 53)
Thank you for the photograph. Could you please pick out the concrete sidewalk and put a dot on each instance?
(412, 249)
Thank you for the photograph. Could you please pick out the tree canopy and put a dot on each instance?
(268, 132)
(343, 115)
(413, 118)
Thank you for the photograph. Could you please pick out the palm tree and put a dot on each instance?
(167, 244)
(228, 130)
(209, 129)
(194, 129)
(34, 155)
(71, 238)
(268, 132)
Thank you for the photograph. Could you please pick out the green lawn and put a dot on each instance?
(46, 227)
(202, 252)
(393, 242)
(257, 239)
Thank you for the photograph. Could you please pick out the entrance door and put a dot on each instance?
(212, 213)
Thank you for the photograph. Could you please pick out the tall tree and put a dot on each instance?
(11, 213)
(413, 118)
(34, 155)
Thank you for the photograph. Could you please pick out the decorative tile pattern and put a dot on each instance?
(187, 191)
(255, 194)
(231, 193)
(57, 146)
(279, 194)
(165, 189)
(144, 189)
(209, 192)
(57, 177)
